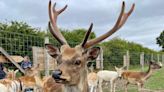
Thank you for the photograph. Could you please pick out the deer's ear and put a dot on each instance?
(116, 68)
(93, 53)
(16, 71)
(53, 51)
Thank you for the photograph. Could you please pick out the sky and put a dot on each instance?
(143, 26)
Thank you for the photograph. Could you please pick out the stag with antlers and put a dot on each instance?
(72, 69)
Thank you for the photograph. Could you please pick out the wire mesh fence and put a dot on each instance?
(21, 44)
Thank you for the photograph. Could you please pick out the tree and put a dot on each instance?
(116, 48)
(160, 40)
(18, 37)
(73, 37)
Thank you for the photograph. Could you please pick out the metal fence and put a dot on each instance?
(21, 44)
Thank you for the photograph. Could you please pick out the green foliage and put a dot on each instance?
(20, 27)
(18, 38)
(73, 37)
(115, 49)
(160, 40)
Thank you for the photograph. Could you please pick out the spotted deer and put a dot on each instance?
(10, 84)
(137, 78)
(72, 70)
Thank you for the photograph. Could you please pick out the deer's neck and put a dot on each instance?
(81, 87)
(148, 73)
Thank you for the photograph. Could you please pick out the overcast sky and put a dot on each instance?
(143, 26)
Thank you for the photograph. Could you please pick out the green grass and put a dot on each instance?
(155, 82)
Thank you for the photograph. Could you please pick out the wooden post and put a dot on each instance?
(102, 59)
(99, 60)
(142, 60)
(127, 59)
(35, 55)
(163, 58)
(152, 57)
(124, 61)
(158, 58)
(11, 59)
(46, 40)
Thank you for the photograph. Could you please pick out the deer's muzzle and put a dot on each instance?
(56, 74)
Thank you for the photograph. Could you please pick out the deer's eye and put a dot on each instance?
(77, 62)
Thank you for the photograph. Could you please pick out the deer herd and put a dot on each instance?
(71, 74)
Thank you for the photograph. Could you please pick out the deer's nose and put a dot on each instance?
(56, 74)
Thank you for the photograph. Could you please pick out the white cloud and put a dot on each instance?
(143, 26)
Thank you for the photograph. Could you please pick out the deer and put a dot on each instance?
(32, 79)
(108, 76)
(92, 79)
(72, 62)
(9, 84)
(136, 77)
(11, 74)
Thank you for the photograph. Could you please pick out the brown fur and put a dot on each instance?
(136, 75)
(72, 69)
(51, 86)
(138, 78)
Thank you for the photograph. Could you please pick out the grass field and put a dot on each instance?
(154, 84)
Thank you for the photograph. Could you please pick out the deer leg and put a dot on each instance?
(126, 86)
(139, 87)
(111, 85)
(114, 88)
(100, 85)
(142, 85)
(92, 88)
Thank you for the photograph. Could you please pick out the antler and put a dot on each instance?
(87, 35)
(53, 25)
(120, 22)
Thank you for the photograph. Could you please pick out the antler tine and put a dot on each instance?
(52, 32)
(87, 35)
(125, 17)
(120, 22)
(53, 25)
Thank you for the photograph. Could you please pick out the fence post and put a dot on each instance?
(142, 60)
(127, 59)
(102, 59)
(124, 61)
(99, 60)
(163, 58)
(152, 57)
(46, 40)
(158, 58)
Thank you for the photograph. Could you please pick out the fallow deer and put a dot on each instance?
(11, 74)
(72, 61)
(31, 79)
(107, 76)
(92, 79)
(138, 78)
(9, 84)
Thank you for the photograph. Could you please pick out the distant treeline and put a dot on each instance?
(19, 37)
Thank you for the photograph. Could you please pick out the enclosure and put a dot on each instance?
(33, 46)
